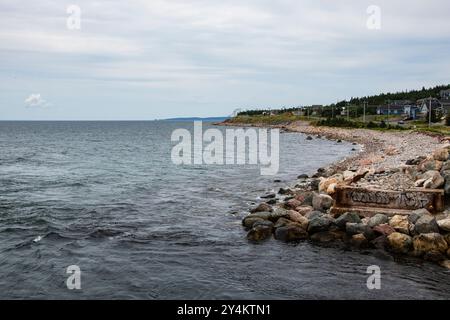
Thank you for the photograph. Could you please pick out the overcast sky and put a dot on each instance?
(152, 59)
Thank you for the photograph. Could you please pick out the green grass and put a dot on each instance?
(372, 122)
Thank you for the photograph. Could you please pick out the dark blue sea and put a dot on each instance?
(106, 197)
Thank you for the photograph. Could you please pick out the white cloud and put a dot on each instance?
(35, 100)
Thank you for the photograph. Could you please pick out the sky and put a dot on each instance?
(154, 59)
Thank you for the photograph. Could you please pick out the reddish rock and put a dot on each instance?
(384, 229)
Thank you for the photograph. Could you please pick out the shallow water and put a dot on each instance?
(106, 197)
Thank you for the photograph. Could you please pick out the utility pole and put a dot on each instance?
(429, 117)
(348, 111)
(364, 114)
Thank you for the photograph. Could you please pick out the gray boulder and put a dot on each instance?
(426, 224)
(377, 220)
(357, 228)
(416, 214)
(319, 223)
(342, 220)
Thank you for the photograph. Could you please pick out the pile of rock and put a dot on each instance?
(419, 234)
(303, 213)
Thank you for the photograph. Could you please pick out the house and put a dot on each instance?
(445, 94)
(390, 110)
(445, 100)
(397, 107)
(425, 103)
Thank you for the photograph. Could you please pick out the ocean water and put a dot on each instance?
(106, 197)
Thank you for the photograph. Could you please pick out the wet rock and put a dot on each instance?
(327, 236)
(281, 222)
(319, 223)
(266, 223)
(434, 256)
(380, 242)
(269, 196)
(292, 204)
(339, 141)
(399, 242)
(426, 242)
(444, 225)
(321, 201)
(377, 220)
(384, 229)
(272, 201)
(426, 224)
(259, 233)
(309, 138)
(262, 207)
(416, 214)
(277, 214)
(433, 179)
(285, 191)
(248, 221)
(298, 218)
(314, 214)
(305, 198)
(342, 220)
(400, 223)
(356, 228)
(314, 184)
(359, 241)
(303, 177)
(445, 264)
(304, 210)
(441, 154)
(290, 233)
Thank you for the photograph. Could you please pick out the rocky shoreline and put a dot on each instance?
(387, 161)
